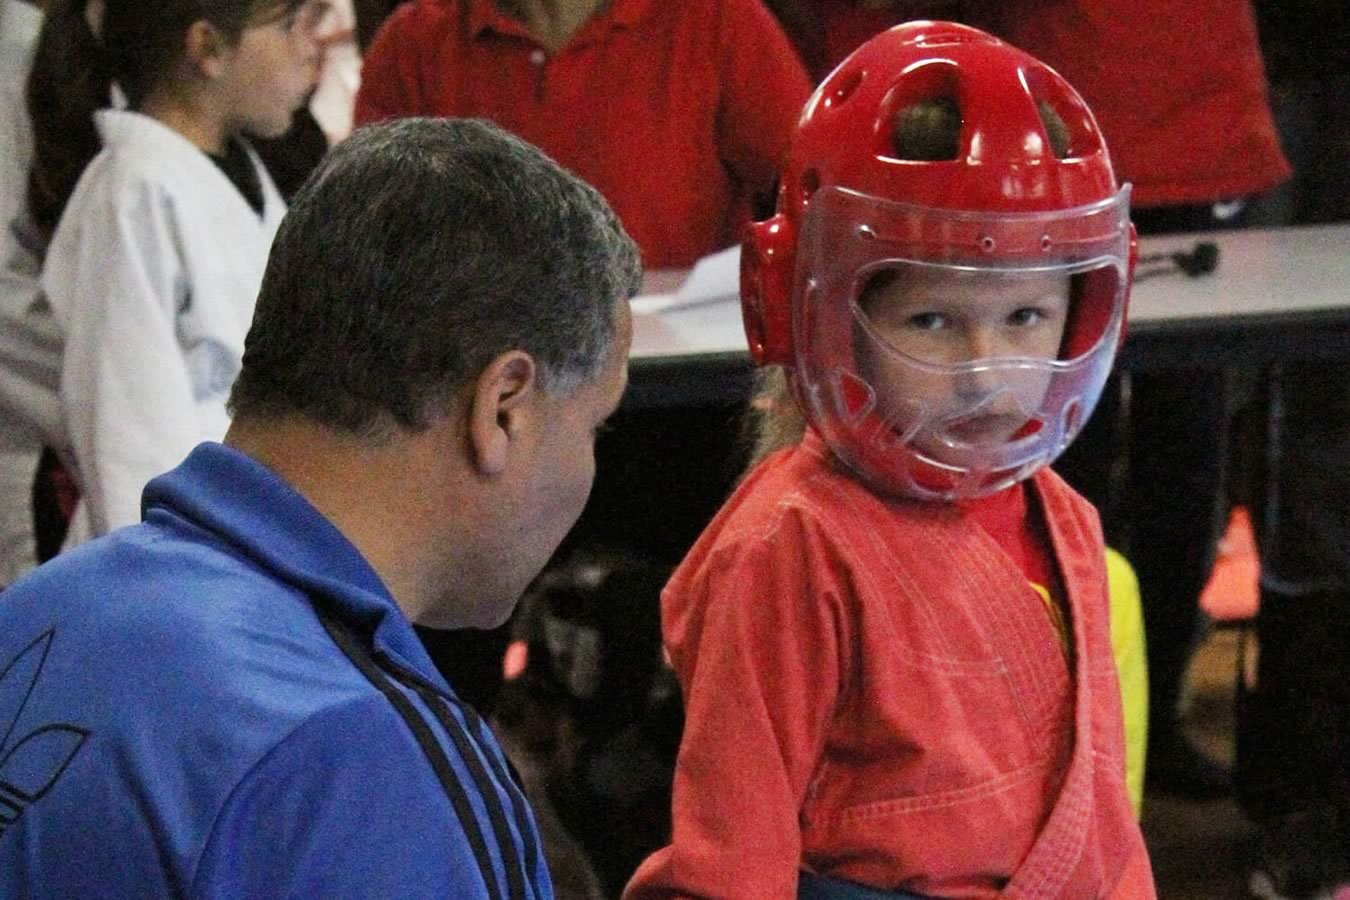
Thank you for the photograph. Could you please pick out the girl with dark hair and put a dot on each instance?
(159, 216)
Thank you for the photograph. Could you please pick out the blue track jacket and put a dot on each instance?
(224, 701)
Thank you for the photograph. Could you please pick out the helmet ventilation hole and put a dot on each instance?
(928, 130)
(1073, 419)
(847, 83)
(808, 185)
(1056, 130)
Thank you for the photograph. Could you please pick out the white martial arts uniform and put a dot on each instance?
(29, 352)
(152, 275)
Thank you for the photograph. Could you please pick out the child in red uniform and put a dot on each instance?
(893, 640)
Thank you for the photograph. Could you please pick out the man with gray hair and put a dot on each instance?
(228, 699)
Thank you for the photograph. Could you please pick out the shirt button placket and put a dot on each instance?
(539, 59)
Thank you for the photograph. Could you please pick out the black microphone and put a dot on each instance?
(1202, 259)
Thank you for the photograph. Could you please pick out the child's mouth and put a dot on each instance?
(984, 430)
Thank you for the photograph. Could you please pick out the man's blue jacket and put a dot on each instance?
(224, 701)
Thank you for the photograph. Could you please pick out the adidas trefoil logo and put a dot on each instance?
(29, 763)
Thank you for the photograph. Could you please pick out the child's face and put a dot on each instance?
(945, 318)
(275, 66)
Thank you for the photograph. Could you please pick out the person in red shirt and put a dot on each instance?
(679, 113)
(1178, 86)
(893, 641)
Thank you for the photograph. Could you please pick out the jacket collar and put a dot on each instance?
(246, 505)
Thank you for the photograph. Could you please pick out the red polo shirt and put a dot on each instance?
(678, 111)
(1177, 86)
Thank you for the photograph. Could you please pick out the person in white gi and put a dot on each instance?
(153, 269)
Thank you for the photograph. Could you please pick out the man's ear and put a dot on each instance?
(499, 408)
(207, 49)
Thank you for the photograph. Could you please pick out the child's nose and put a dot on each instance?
(985, 342)
(981, 343)
(978, 382)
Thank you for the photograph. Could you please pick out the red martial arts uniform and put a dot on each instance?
(874, 692)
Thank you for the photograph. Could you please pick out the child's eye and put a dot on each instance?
(1027, 315)
(927, 321)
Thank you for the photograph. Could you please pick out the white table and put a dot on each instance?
(1277, 294)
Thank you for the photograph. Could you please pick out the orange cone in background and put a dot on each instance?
(1233, 591)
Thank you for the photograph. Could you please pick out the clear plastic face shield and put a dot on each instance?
(946, 355)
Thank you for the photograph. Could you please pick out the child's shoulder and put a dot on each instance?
(802, 498)
(787, 523)
(144, 169)
(140, 153)
(799, 481)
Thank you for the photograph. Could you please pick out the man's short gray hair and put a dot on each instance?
(418, 251)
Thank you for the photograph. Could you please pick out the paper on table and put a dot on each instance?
(715, 277)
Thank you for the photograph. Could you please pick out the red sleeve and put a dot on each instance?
(763, 90)
(390, 87)
(760, 642)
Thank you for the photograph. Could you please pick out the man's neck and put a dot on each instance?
(552, 22)
(364, 490)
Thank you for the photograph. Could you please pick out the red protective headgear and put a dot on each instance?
(1005, 203)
